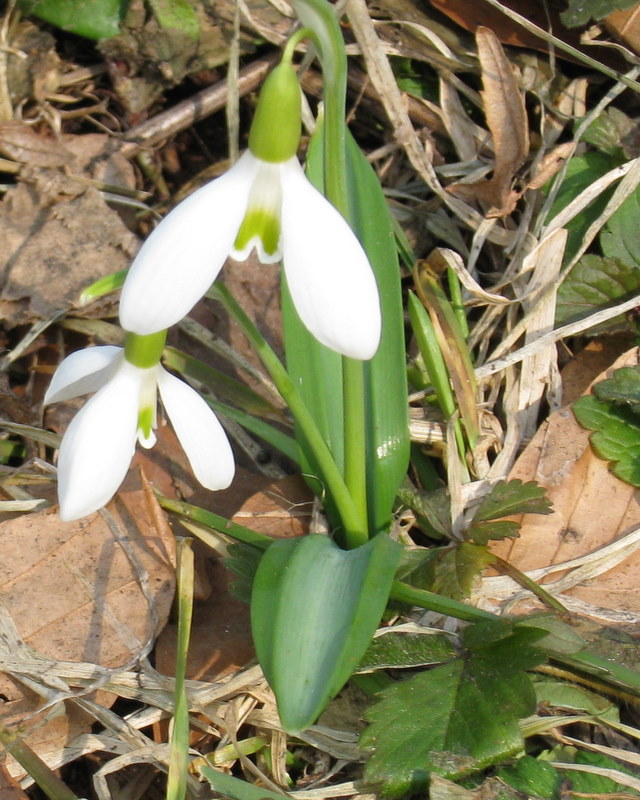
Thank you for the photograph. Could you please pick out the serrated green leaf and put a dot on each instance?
(482, 532)
(314, 610)
(533, 778)
(93, 19)
(595, 283)
(457, 570)
(580, 12)
(451, 720)
(403, 650)
(513, 497)
(622, 388)
(616, 437)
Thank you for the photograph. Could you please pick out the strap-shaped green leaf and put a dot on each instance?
(314, 610)
(317, 371)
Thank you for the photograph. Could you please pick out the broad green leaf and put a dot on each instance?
(620, 236)
(452, 720)
(404, 650)
(580, 12)
(314, 610)
(313, 366)
(595, 283)
(94, 19)
(228, 786)
(177, 15)
(385, 374)
(582, 171)
(533, 778)
(622, 388)
(616, 437)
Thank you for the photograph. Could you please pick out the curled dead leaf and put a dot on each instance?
(507, 121)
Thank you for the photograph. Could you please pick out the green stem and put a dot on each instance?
(331, 476)
(336, 190)
(179, 745)
(435, 602)
(355, 443)
(207, 519)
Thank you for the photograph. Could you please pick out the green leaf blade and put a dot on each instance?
(616, 436)
(452, 720)
(314, 610)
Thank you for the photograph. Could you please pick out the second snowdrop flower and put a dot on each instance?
(98, 445)
(264, 202)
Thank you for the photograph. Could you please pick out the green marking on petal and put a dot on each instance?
(146, 418)
(261, 223)
(144, 351)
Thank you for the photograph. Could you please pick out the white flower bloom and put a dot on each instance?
(100, 441)
(274, 208)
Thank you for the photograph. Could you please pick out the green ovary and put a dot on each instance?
(144, 351)
(262, 224)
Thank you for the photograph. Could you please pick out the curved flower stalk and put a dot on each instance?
(264, 202)
(100, 441)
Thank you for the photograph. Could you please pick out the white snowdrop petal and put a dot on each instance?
(328, 273)
(183, 256)
(82, 372)
(98, 446)
(200, 433)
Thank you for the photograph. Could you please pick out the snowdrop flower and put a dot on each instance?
(264, 201)
(100, 441)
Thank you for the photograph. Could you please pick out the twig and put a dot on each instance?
(201, 105)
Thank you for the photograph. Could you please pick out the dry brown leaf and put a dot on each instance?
(52, 250)
(97, 590)
(18, 141)
(9, 788)
(550, 164)
(507, 121)
(592, 509)
(626, 26)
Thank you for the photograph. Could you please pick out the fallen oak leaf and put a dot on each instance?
(95, 590)
(507, 121)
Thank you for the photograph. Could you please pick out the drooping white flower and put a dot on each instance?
(98, 445)
(264, 201)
